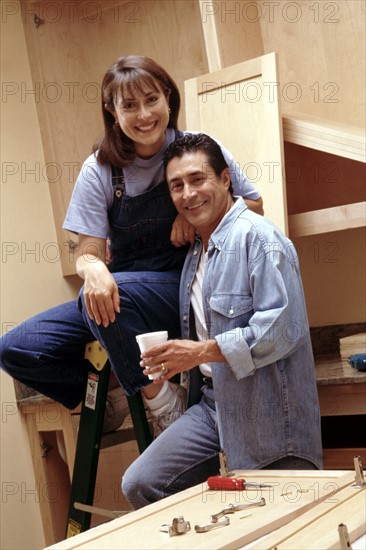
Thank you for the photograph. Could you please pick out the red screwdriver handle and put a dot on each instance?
(225, 483)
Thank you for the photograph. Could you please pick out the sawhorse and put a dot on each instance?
(90, 436)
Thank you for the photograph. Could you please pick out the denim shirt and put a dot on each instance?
(265, 393)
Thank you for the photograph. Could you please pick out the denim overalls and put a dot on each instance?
(140, 229)
(47, 351)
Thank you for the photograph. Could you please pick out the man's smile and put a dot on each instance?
(193, 207)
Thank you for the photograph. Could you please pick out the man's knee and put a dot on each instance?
(137, 487)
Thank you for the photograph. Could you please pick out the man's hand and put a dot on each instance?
(175, 356)
(182, 232)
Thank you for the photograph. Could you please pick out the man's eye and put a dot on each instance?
(177, 186)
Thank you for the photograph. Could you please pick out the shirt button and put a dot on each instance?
(195, 253)
(231, 311)
(184, 317)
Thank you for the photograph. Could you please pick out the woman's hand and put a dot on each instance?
(101, 296)
(100, 289)
(182, 232)
(175, 356)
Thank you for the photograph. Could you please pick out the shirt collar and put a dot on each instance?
(218, 237)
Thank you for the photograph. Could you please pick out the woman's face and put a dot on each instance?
(143, 115)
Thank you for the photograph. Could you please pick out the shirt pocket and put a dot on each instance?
(231, 305)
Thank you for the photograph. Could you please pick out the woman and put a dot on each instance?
(119, 198)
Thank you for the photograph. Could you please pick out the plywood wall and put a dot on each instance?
(322, 50)
(69, 54)
(321, 47)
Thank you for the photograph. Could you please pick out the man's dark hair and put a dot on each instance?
(190, 143)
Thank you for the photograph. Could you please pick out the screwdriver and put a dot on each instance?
(218, 483)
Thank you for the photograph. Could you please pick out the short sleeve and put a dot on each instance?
(90, 201)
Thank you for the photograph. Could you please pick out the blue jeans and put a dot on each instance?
(184, 455)
(46, 352)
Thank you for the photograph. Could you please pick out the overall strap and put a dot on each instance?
(118, 181)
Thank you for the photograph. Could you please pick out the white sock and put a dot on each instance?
(159, 403)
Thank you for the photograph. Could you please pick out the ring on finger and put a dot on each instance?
(162, 367)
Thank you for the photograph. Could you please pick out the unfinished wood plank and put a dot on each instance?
(293, 493)
(326, 220)
(317, 528)
(208, 9)
(328, 136)
(342, 399)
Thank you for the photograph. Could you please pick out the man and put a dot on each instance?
(254, 393)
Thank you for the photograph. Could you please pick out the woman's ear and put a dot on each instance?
(108, 108)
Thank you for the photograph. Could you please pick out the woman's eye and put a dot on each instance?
(152, 99)
(128, 106)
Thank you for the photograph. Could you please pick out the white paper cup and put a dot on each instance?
(149, 339)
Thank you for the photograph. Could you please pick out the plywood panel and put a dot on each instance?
(292, 494)
(232, 32)
(69, 54)
(322, 56)
(236, 106)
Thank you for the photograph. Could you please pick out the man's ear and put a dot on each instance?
(225, 177)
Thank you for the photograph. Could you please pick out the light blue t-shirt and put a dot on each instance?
(92, 196)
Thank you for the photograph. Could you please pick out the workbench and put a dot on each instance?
(342, 394)
(303, 509)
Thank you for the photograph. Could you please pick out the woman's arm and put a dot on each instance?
(255, 205)
(100, 289)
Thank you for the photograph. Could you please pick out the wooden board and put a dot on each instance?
(293, 494)
(327, 220)
(238, 105)
(325, 135)
(318, 528)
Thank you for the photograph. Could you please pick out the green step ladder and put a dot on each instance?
(90, 436)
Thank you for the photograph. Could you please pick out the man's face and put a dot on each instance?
(198, 194)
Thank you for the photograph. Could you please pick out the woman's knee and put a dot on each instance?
(7, 351)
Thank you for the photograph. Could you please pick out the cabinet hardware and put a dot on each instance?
(344, 539)
(178, 527)
(359, 476)
(72, 245)
(37, 21)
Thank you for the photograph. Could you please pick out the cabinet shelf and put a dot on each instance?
(348, 142)
(324, 135)
(325, 220)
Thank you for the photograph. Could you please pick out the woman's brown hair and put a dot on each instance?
(131, 72)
